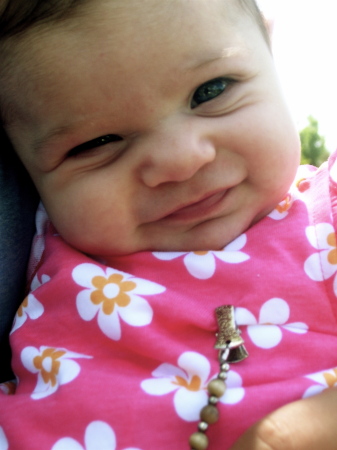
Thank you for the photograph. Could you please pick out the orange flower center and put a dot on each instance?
(48, 364)
(201, 253)
(330, 379)
(23, 305)
(193, 385)
(284, 205)
(332, 255)
(111, 291)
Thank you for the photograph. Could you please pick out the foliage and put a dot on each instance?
(314, 151)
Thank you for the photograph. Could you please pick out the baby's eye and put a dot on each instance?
(209, 90)
(94, 143)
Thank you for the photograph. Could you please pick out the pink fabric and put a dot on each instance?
(121, 356)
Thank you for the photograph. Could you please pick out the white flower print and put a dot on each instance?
(322, 265)
(98, 436)
(267, 331)
(3, 440)
(53, 366)
(112, 295)
(202, 264)
(189, 382)
(30, 307)
(38, 244)
(325, 380)
(282, 209)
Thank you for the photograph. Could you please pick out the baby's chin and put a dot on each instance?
(210, 235)
(205, 243)
(213, 235)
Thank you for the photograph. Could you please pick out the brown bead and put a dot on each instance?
(198, 441)
(216, 387)
(209, 414)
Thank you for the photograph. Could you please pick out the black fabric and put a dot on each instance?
(18, 203)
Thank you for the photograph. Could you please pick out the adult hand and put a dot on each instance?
(308, 424)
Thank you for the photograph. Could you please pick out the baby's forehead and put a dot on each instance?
(25, 51)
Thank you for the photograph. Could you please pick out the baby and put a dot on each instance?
(159, 141)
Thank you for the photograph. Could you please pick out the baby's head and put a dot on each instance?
(149, 124)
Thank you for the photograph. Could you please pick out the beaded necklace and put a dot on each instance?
(231, 349)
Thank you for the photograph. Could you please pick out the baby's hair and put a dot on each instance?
(16, 16)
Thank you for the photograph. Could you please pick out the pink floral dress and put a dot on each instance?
(119, 357)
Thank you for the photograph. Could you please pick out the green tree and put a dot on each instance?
(314, 151)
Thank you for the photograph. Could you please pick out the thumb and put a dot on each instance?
(306, 424)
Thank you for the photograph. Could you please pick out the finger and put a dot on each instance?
(307, 424)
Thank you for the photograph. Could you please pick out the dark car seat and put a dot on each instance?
(18, 203)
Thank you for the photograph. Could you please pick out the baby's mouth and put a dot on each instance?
(198, 209)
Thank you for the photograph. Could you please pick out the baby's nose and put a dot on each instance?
(175, 155)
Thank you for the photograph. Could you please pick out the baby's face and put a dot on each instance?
(154, 125)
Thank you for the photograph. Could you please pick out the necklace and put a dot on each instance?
(231, 350)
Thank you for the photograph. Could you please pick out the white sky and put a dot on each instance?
(305, 52)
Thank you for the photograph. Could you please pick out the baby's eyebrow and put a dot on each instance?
(220, 55)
